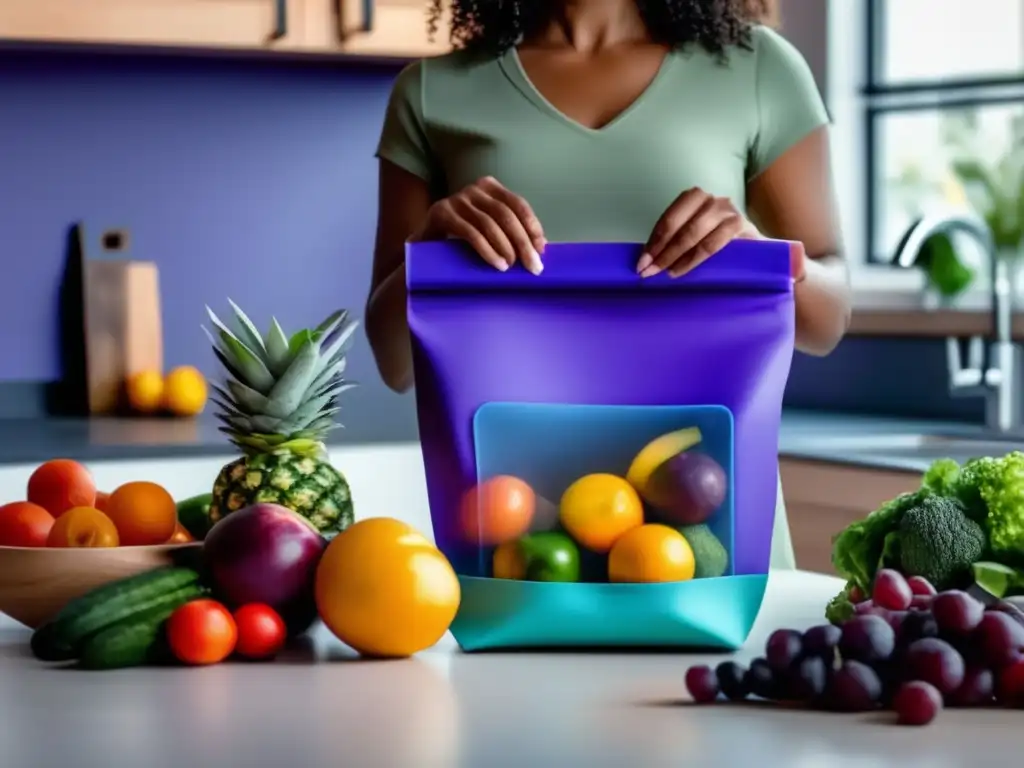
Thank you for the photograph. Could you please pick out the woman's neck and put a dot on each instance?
(590, 25)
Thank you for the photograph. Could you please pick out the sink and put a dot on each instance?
(923, 448)
(959, 451)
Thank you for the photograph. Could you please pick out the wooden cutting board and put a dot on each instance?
(123, 330)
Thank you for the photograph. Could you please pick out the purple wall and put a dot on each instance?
(256, 180)
(249, 179)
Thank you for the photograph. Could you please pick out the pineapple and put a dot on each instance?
(277, 405)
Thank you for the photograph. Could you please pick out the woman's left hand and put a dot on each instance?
(695, 227)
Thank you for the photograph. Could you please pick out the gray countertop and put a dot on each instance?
(319, 706)
(879, 442)
(34, 440)
(101, 439)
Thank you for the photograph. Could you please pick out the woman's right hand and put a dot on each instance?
(499, 225)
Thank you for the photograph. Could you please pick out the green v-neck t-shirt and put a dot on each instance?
(454, 119)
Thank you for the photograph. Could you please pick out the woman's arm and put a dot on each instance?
(403, 203)
(794, 199)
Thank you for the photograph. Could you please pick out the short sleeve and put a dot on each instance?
(789, 105)
(403, 139)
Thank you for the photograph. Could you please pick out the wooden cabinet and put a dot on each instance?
(823, 498)
(379, 29)
(382, 28)
(179, 23)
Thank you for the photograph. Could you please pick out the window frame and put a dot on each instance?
(878, 98)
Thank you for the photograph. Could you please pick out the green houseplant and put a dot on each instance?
(990, 176)
(942, 265)
(993, 184)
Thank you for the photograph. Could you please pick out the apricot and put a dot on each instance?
(83, 527)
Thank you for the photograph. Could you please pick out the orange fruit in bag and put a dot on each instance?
(597, 509)
(651, 553)
(497, 510)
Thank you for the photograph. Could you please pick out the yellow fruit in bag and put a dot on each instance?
(597, 509)
(657, 452)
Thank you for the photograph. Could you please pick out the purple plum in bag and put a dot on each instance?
(617, 360)
(688, 488)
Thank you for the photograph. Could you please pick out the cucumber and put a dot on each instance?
(134, 641)
(46, 646)
(194, 515)
(61, 638)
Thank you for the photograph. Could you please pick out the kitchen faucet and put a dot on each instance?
(993, 365)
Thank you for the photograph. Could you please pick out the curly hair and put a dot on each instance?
(493, 26)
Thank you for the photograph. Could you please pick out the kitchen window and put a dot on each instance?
(943, 80)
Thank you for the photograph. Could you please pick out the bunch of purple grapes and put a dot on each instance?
(906, 648)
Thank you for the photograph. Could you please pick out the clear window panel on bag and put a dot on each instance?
(620, 494)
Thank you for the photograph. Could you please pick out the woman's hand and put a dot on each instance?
(695, 227)
(499, 225)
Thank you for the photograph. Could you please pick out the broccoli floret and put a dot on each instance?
(857, 550)
(942, 477)
(968, 486)
(937, 540)
(841, 607)
(992, 490)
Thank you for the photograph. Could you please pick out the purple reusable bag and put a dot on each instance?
(590, 331)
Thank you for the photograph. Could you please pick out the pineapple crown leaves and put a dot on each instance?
(282, 392)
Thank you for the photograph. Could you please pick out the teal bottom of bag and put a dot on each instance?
(702, 613)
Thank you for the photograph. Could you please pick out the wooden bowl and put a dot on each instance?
(36, 582)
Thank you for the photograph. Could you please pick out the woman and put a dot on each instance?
(682, 124)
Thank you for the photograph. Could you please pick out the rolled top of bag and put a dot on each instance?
(755, 266)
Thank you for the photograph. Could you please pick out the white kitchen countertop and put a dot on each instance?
(319, 706)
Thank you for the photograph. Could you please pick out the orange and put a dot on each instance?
(144, 513)
(83, 527)
(145, 391)
(497, 510)
(384, 590)
(185, 391)
(61, 484)
(102, 497)
(24, 524)
(597, 509)
(180, 535)
(651, 553)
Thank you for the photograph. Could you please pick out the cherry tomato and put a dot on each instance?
(24, 524)
(202, 632)
(261, 631)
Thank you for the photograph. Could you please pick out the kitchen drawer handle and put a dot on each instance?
(368, 15)
(281, 20)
